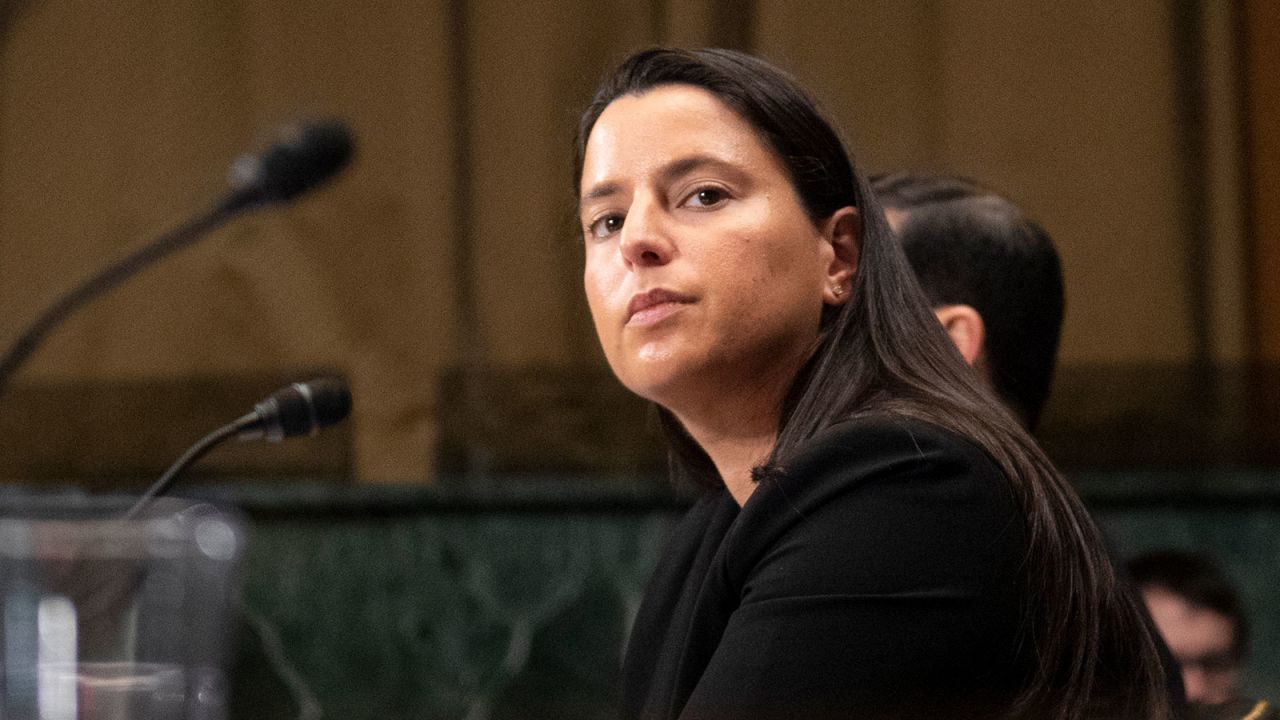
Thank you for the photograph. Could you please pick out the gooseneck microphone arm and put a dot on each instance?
(107, 279)
(306, 157)
(188, 458)
(293, 411)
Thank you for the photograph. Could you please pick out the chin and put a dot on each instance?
(650, 383)
(647, 388)
(658, 372)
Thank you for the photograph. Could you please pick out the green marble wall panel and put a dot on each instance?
(443, 615)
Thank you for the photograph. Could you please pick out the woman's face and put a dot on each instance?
(704, 274)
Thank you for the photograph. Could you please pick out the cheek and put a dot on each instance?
(790, 270)
(598, 287)
(594, 302)
(785, 244)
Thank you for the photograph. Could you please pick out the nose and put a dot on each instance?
(645, 239)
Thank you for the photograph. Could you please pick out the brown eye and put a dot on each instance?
(707, 197)
(606, 226)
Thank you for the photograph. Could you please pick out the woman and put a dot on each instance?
(878, 537)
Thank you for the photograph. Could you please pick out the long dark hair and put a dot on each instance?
(883, 351)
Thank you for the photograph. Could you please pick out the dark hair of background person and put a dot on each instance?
(971, 246)
(1200, 582)
(884, 352)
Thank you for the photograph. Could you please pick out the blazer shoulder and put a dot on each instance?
(879, 445)
(881, 507)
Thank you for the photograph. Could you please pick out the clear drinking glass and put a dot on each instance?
(111, 619)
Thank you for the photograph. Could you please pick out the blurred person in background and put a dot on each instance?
(992, 276)
(1198, 612)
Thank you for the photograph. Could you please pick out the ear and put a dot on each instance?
(967, 330)
(841, 232)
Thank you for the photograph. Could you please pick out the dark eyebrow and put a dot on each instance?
(668, 172)
(684, 165)
(600, 191)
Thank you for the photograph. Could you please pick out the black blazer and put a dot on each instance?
(877, 578)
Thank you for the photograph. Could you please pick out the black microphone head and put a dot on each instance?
(300, 409)
(306, 156)
(332, 400)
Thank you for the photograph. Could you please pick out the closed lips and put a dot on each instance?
(646, 300)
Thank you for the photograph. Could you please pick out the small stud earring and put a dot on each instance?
(838, 290)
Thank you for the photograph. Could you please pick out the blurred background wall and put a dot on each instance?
(441, 273)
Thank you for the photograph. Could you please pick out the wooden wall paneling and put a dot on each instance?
(1226, 270)
(1067, 108)
(1261, 20)
(532, 69)
(118, 120)
(1188, 60)
(96, 159)
(874, 68)
(1070, 109)
(381, 241)
(124, 126)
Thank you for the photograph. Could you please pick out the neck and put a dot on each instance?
(736, 421)
(735, 450)
(736, 427)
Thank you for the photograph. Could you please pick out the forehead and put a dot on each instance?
(640, 133)
(1186, 627)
